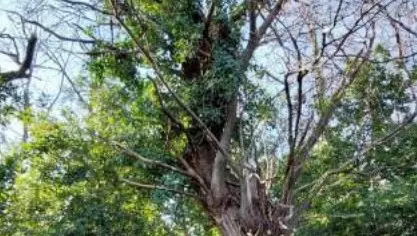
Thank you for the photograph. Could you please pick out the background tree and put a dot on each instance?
(241, 106)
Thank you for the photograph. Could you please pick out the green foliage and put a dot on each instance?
(66, 181)
(10, 98)
(373, 195)
(68, 178)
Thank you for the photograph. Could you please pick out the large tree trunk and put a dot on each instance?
(237, 202)
(252, 215)
(235, 220)
(229, 223)
(244, 207)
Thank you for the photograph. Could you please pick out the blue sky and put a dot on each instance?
(45, 81)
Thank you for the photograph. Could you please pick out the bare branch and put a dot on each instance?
(256, 37)
(139, 157)
(52, 32)
(156, 187)
(69, 79)
(89, 6)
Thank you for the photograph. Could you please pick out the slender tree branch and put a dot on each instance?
(157, 187)
(16, 55)
(401, 24)
(143, 159)
(65, 74)
(339, 7)
(90, 6)
(52, 32)
(255, 37)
